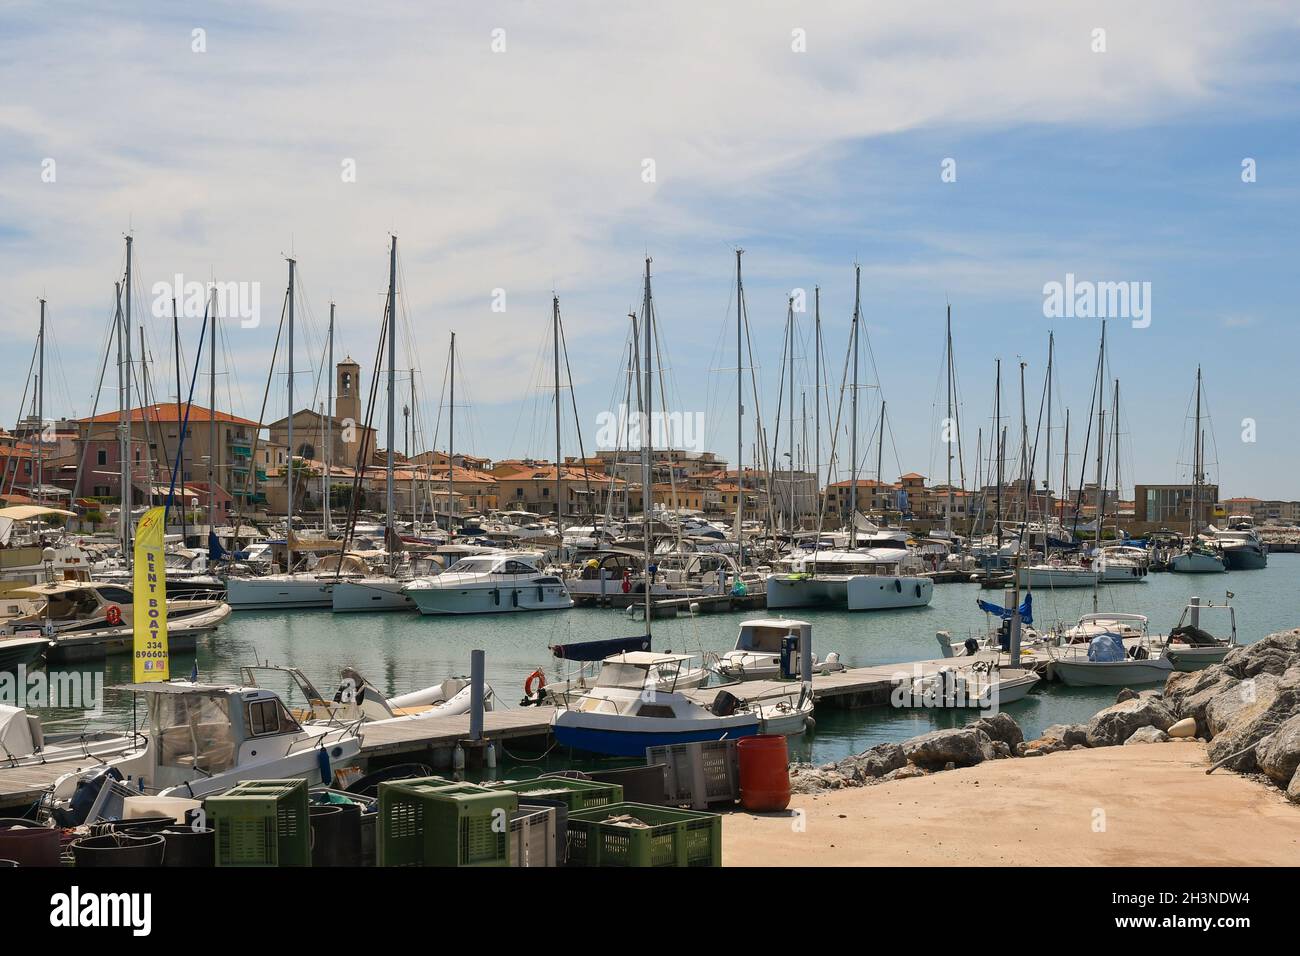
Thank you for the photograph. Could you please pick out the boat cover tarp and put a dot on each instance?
(599, 650)
(1026, 609)
(1106, 648)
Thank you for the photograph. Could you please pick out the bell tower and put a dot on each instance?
(347, 391)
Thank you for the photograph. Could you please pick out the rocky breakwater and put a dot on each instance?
(1247, 709)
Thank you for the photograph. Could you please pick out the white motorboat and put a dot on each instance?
(1242, 547)
(26, 742)
(357, 699)
(1199, 558)
(203, 739)
(1122, 565)
(788, 716)
(491, 584)
(759, 646)
(1189, 646)
(1110, 649)
(626, 712)
(849, 580)
(981, 684)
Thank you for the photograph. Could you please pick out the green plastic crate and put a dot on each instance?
(432, 822)
(262, 823)
(673, 837)
(575, 794)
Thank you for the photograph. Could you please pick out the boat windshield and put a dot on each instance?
(471, 566)
(762, 638)
(192, 731)
(615, 674)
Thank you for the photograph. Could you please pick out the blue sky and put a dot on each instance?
(522, 170)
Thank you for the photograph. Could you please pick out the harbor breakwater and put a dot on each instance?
(1247, 709)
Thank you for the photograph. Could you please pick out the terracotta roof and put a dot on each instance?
(168, 412)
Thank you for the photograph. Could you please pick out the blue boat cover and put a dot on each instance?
(1026, 609)
(1106, 648)
(599, 650)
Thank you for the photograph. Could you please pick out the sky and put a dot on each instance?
(960, 154)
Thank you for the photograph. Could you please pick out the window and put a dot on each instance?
(101, 457)
(192, 730)
(266, 717)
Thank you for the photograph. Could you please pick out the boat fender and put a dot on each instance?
(918, 589)
(898, 585)
(514, 597)
(535, 682)
(323, 762)
(113, 615)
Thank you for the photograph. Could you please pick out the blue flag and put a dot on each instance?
(1026, 609)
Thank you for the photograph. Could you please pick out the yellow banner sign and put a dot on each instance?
(149, 610)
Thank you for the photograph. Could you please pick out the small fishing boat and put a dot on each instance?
(760, 646)
(1109, 649)
(981, 685)
(1189, 646)
(626, 711)
(357, 699)
(202, 739)
(788, 716)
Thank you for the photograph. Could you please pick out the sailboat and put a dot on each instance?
(636, 701)
(1200, 555)
(382, 592)
(855, 579)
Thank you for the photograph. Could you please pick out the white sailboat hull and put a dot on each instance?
(856, 592)
(1048, 576)
(371, 594)
(1192, 562)
(278, 592)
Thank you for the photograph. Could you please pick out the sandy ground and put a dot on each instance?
(1118, 806)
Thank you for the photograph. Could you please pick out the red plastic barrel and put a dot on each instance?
(29, 844)
(764, 773)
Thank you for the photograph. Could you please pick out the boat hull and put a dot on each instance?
(1195, 658)
(380, 594)
(1064, 577)
(857, 592)
(615, 741)
(499, 599)
(1112, 673)
(16, 652)
(1195, 563)
(1245, 559)
(258, 594)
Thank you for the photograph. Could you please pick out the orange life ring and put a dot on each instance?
(537, 678)
(113, 615)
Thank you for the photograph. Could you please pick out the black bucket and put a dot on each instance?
(335, 834)
(187, 846)
(120, 849)
(28, 844)
(640, 784)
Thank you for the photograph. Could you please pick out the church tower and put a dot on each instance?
(347, 391)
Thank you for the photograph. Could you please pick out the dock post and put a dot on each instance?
(1194, 604)
(806, 662)
(476, 668)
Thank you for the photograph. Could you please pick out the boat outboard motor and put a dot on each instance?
(724, 704)
(972, 647)
(84, 797)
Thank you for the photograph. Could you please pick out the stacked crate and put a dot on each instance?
(662, 837)
(262, 823)
(429, 821)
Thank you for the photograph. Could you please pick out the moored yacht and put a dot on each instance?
(850, 580)
(491, 584)
(1241, 545)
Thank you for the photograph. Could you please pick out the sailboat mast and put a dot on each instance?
(288, 537)
(1114, 424)
(126, 404)
(1101, 433)
(997, 441)
(853, 414)
(390, 509)
(40, 412)
(555, 336)
(740, 414)
(212, 414)
(329, 423)
(176, 345)
(790, 364)
(451, 428)
(948, 437)
(1196, 461)
(646, 496)
(817, 387)
(1047, 453)
(1065, 466)
(123, 441)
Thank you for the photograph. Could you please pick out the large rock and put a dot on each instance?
(1186, 693)
(1116, 723)
(1068, 734)
(1293, 791)
(1126, 694)
(1278, 754)
(1274, 654)
(1251, 692)
(1001, 727)
(964, 747)
(1248, 718)
(873, 763)
(1147, 735)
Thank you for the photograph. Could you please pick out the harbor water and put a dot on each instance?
(400, 652)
